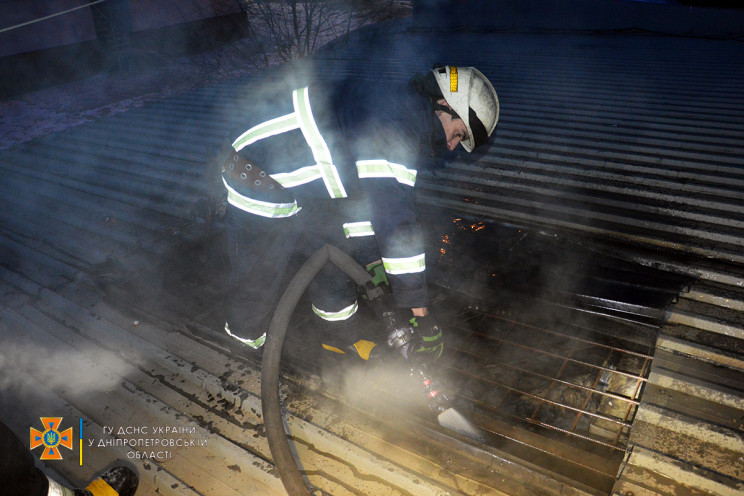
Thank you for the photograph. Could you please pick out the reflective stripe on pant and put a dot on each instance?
(338, 315)
(266, 253)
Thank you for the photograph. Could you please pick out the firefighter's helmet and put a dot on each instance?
(471, 95)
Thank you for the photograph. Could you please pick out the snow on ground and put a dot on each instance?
(39, 113)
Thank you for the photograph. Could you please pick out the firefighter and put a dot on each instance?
(337, 163)
(19, 475)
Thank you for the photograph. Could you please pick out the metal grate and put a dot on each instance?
(561, 392)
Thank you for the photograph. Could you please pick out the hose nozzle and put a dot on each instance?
(402, 338)
(436, 399)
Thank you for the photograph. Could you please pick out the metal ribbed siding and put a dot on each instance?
(122, 184)
(633, 138)
(595, 137)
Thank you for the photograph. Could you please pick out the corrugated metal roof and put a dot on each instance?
(630, 137)
(625, 137)
(626, 142)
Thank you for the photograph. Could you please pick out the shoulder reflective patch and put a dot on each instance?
(453, 79)
(302, 119)
(301, 101)
(405, 265)
(380, 168)
(358, 229)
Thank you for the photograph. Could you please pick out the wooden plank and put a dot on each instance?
(662, 475)
(690, 440)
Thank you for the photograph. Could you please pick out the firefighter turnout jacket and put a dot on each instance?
(341, 141)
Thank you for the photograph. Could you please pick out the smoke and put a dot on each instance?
(382, 387)
(69, 372)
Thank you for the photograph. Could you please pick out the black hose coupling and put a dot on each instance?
(400, 337)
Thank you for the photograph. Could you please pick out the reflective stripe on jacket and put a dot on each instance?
(373, 138)
(323, 169)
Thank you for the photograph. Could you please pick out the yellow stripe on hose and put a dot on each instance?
(333, 349)
(364, 348)
(100, 487)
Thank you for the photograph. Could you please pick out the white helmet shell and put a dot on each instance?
(466, 88)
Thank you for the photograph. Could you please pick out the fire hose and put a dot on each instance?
(270, 367)
(399, 340)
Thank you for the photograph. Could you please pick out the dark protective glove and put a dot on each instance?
(430, 341)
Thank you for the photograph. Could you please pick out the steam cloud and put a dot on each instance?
(71, 373)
